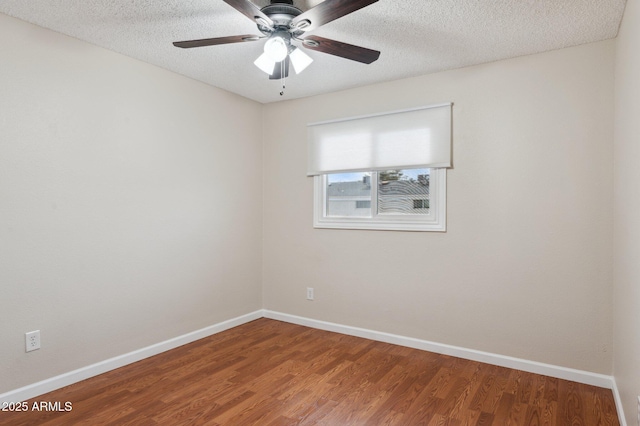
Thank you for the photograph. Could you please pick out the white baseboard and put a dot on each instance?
(565, 373)
(66, 379)
(618, 401)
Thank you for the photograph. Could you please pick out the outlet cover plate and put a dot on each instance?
(32, 340)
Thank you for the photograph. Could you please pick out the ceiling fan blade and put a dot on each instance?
(327, 11)
(214, 41)
(338, 48)
(249, 10)
(277, 71)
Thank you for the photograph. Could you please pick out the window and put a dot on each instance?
(384, 171)
(391, 200)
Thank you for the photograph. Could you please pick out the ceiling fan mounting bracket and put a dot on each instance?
(310, 43)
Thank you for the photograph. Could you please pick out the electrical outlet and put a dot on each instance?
(309, 293)
(32, 340)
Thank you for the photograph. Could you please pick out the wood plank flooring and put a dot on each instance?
(268, 372)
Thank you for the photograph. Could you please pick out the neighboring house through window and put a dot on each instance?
(420, 204)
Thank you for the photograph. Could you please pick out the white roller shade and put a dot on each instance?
(419, 137)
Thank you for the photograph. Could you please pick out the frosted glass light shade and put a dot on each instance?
(300, 60)
(265, 63)
(276, 49)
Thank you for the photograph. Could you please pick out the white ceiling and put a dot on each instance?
(415, 36)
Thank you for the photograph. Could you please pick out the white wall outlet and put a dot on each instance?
(32, 340)
(309, 293)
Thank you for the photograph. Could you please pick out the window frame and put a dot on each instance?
(434, 221)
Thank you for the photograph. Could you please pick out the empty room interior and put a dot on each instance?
(155, 196)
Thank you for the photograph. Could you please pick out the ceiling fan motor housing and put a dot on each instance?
(281, 13)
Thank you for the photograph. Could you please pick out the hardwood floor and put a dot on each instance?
(273, 373)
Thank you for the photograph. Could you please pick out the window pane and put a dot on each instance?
(349, 194)
(403, 192)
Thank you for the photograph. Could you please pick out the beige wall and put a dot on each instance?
(525, 267)
(626, 362)
(129, 204)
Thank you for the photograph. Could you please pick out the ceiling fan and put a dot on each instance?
(284, 26)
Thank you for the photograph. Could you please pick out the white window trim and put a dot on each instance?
(434, 221)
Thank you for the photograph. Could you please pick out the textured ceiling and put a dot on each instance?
(415, 36)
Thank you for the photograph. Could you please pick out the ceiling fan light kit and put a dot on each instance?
(282, 24)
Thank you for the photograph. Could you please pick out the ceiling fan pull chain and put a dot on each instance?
(283, 77)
